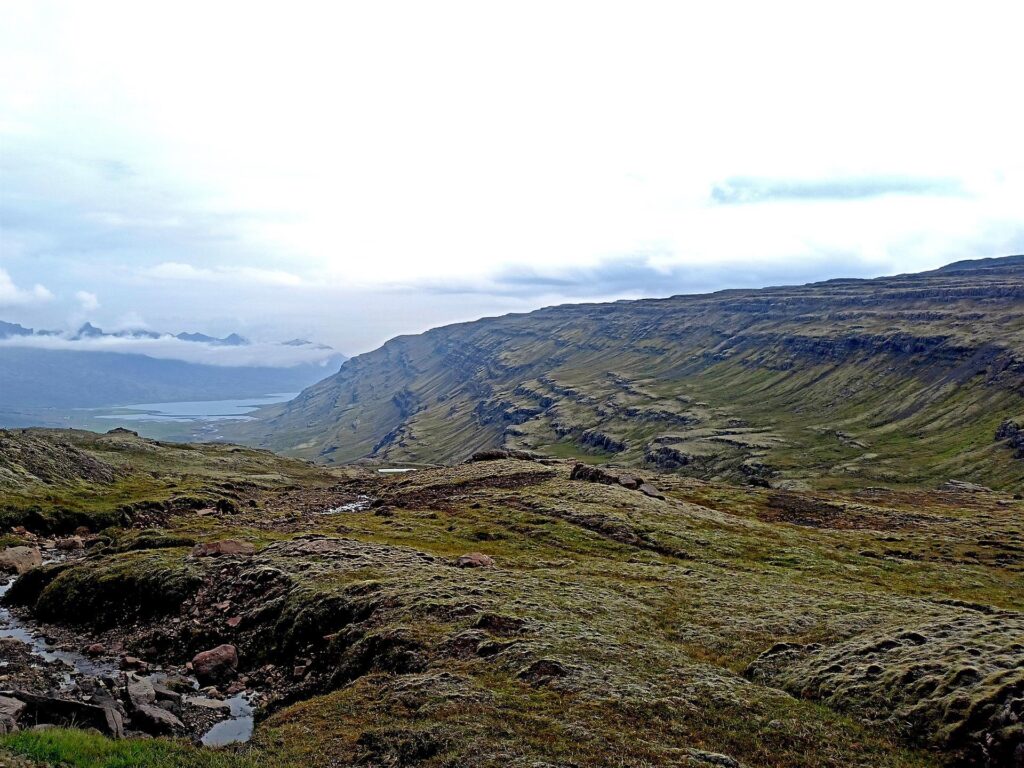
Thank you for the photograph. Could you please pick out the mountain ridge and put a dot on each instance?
(895, 380)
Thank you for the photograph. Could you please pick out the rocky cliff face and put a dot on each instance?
(847, 382)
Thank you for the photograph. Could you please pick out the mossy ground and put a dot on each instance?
(652, 613)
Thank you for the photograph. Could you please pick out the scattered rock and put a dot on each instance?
(215, 665)
(156, 720)
(474, 560)
(226, 547)
(19, 559)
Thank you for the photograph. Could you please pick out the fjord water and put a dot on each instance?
(193, 410)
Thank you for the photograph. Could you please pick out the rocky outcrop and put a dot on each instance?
(589, 474)
(603, 442)
(666, 457)
(498, 454)
(1013, 434)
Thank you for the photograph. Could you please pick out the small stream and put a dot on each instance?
(235, 729)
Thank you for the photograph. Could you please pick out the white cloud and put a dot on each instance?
(172, 270)
(88, 301)
(469, 142)
(170, 348)
(13, 296)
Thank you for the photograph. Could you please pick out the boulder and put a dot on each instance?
(474, 560)
(156, 720)
(215, 665)
(628, 481)
(649, 490)
(95, 649)
(19, 559)
(10, 712)
(53, 709)
(165, 694)
(140, 691)
(226, 547)
(71, 543)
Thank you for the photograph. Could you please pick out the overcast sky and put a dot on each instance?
(348, 171)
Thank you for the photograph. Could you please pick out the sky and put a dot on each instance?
(346, 172)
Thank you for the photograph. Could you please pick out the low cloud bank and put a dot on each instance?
(265, 355)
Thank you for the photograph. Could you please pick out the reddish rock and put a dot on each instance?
(234, 621)
(216, 664)
(20, 559)
(70, 543)
(226, 547)
(96, 649)
(474, 560)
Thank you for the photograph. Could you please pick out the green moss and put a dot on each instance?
(139, 585)
(83, 749)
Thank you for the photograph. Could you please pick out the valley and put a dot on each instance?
(755, 529)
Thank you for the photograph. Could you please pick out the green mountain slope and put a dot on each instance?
(849, 383)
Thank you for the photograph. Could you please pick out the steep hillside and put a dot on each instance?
(903, 379)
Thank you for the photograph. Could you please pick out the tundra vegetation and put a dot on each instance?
(635, 558)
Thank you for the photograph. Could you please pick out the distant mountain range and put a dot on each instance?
(41, 369)
(911, 379)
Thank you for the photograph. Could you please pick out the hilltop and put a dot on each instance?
(903, 380)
